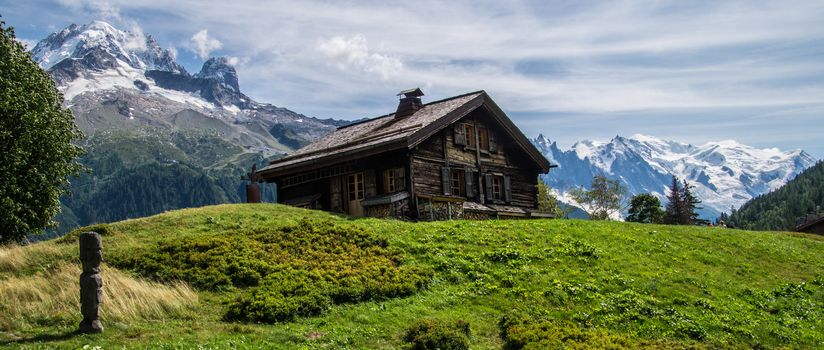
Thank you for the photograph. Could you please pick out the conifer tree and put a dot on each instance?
(673, 211)
(690, 205)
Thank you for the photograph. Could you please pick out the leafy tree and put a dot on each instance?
(645, 208)
(546, 201)
(674, 210)
(604, 198)
(37, 154)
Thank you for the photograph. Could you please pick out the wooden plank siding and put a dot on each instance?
(440, 150)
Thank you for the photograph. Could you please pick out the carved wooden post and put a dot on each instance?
(252, 193)
(91, 284)
(252, 188)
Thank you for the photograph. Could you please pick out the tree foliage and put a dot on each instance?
(673, 211)
(604, 198)
(546, 201)
(37, 153)
(780, 209)
(645, 208)
(682, 204)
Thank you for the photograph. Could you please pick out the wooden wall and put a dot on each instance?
(440, 150)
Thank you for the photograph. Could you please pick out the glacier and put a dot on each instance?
(726, 174)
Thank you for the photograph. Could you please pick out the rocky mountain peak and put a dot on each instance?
(220, 70)
(725, 173)
(99, 45)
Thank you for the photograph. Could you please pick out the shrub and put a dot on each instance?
(282, 296)
(434, 334)
(71, 237)
(577, 248)
(292, 271)
(504, 255)
(519, 331)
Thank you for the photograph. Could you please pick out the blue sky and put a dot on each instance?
(691, 71)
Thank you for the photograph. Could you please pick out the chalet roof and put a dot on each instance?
(811, 222)
(386, 132)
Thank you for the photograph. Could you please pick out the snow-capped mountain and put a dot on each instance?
(97, 64)
(78, 41)
(725, 174)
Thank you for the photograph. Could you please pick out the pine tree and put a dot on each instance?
(673, 211)
(690, 205)
(782, 208)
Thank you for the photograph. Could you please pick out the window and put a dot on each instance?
(355, 186)
(457, 183)
(498, 188)
(497, 185)
(393, 180)
(470, 135)
(483, 139)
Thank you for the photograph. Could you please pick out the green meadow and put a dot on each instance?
(272, 276)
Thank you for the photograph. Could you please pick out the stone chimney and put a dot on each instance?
(409, 103)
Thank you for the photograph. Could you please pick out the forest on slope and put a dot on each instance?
(779, 210)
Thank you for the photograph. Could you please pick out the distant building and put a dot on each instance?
(459, 157)
(811, 224)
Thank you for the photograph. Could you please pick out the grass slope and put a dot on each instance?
(518, 284)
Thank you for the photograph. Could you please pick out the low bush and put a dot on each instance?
(520, 331)
(71, 237)
(282, 296)
(434, 334)
(287, 272)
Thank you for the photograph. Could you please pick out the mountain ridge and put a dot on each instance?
(93, 60)
(726, 173)
(158, 137)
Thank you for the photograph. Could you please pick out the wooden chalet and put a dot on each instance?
(811, 223)
(459, 157)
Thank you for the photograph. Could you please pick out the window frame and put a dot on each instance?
(497, 187)
(469, 130)
(393, 180)
(355, 186)
(457, 188)
(483, 139)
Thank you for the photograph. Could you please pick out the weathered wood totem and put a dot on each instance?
(91, 284)
(252, 188)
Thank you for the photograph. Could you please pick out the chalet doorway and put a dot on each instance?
(356, 190)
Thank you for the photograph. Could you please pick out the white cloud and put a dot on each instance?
(234, 61)
(354, 54)
(606, 58)
(106, 11)
(100, 9)
(203, 45)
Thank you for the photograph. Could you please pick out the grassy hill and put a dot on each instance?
(251, 276)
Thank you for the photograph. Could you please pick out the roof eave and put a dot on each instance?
(273, 170)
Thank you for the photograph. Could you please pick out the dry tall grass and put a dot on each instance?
(14, 259)
(52, 297)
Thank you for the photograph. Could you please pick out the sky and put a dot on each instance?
(689, 71)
